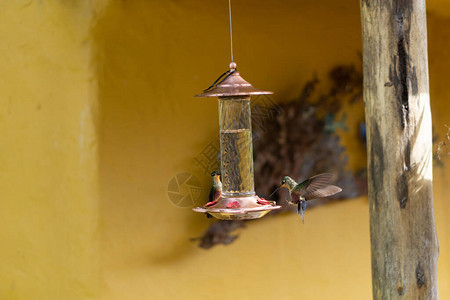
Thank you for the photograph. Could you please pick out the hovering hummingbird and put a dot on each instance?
(216, 190)
(314, 187)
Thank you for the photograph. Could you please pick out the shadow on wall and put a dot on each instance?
(151, 58)
(149, 131)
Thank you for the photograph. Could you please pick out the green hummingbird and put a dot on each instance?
(216, 189)
(312, 188)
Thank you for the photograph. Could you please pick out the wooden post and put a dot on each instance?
(396, 94)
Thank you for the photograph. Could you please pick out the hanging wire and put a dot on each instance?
(231, 30)
(228, 73)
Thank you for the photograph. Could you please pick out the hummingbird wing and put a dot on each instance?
(211, 195)
(323, 192)
(214, 195)
(313, 184)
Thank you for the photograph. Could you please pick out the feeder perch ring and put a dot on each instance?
(248, 208)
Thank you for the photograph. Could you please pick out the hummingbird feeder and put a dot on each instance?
(238, 200)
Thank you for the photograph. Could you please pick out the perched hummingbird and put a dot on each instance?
(216, 190)
(314, 187)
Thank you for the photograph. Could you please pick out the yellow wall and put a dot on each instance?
(98, 115)
(49, 204)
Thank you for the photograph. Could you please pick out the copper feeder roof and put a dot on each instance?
(232, 85)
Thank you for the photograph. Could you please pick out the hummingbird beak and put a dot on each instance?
(274, 192)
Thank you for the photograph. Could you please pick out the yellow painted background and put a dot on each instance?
(97, 116)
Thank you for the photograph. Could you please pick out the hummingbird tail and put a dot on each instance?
(301, 206)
